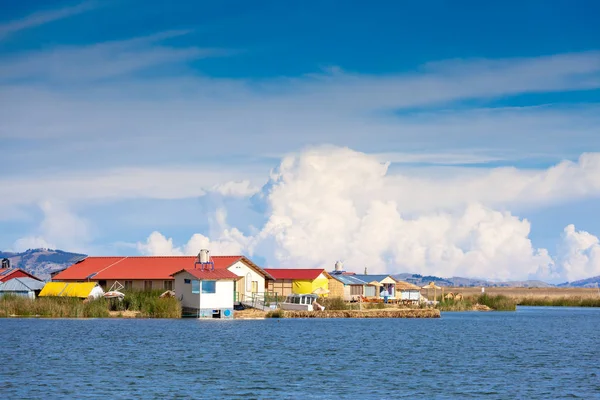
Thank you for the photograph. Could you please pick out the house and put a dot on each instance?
(347, 286)
(25, 287)
(209, 292)
(299, 281)
(11, 273)
(156, 272)
(407, 292)
(382, 282)
(81, 290)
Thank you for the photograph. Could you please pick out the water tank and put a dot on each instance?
(203, 256)
(338, 266)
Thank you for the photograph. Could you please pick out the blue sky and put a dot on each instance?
(124, 118)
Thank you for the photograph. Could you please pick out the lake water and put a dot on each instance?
(534, 353)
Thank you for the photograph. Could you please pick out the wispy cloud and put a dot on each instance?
(44, 17)
(65, 64)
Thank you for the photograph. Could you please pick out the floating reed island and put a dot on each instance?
(385, 313)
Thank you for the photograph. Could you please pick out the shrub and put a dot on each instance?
(333, 303)
(275, 314)
(498, 302)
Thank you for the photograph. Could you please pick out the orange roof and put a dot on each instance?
(130, 268)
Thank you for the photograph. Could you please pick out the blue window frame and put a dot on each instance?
(208, 287)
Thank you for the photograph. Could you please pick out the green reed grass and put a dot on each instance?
(333, 303)
(571, 301)
(497, 302)
(147, 303)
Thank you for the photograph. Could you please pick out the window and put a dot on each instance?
(248, 282)
(147, 285)
(209, 286)
(188, 281)
(254, 286)
(128, 285)
(168, 285)
(195, 287)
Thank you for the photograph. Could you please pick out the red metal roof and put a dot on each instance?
(215, 274)
(10, 273)
(130, 268)
(299, 274)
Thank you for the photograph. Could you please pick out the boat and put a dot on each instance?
(301, 302)
(114, 294)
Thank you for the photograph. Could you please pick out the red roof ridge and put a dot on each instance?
(105, 268)
(237, 256)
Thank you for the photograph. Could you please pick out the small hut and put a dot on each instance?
(24, 287)
(408, 293)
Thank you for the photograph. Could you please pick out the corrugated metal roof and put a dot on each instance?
(216, 274)
(295, 273)
(66, 289)
(21, 285)
(349, 279)
(125, 268)
(371, 278)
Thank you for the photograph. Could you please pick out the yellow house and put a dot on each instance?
(299, 281)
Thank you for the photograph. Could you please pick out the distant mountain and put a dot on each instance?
(41, 262)
(457, 281)
(592, 282)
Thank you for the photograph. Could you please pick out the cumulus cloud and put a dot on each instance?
(60, 228)
(578, 256)
(158, 245)
(330, 203)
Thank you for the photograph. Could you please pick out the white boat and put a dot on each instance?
(114, 294)
(300, 302)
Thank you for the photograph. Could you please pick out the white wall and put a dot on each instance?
(411, 295)
(223, 298)
(241, 269)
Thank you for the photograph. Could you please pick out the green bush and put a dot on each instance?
(498, 302)
(464, 304)
(333, 303)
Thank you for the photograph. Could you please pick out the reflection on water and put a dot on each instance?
(532, 353)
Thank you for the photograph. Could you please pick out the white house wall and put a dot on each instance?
(223, 298)
(241, 269)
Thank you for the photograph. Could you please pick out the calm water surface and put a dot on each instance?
(541, 353)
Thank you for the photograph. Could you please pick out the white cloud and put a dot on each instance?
(229, 241)
(60, 228)
(578, 257)
(44, 17)
(130, 183)
(236, 188)
(67, 64)
(329, 203)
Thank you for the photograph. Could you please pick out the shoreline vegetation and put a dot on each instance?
(147, 304)
(136, 304)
